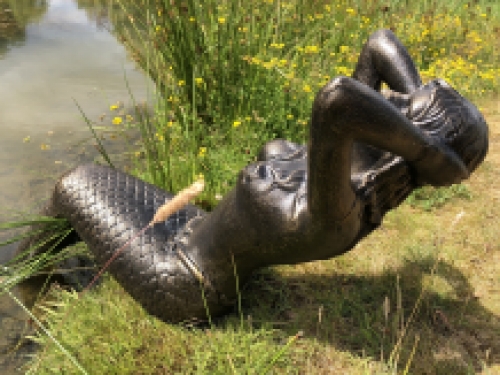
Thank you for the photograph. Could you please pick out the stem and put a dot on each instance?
(46, 331)
(117, 252)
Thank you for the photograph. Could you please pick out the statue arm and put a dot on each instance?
(385, 58)
(346, 110)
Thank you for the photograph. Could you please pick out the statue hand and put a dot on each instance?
(439, 166)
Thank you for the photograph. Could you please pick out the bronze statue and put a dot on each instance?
(367, 151)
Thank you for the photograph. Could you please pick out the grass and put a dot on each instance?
(22, 266)
(232, 75)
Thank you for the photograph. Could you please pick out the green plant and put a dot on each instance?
(428, 197)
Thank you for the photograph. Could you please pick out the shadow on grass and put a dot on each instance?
(456, 333)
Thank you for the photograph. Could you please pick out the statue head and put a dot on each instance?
(442, 113)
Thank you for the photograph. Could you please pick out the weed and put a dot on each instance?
(428, 197)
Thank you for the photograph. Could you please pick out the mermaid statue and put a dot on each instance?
(367, 150)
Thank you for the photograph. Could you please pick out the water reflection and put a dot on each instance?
(52, 52)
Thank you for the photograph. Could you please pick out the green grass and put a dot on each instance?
(232, 75)
(49, 231)
(429, 198)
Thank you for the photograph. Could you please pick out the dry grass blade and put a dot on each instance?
(394, 357)
(179, 201)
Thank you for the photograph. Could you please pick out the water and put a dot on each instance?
(52, 53)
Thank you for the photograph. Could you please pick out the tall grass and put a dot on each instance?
(234, 74)
(45, 232)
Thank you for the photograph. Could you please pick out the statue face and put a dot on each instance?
(442, 113)
(274, 191)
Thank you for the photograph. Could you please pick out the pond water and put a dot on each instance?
(52, 53)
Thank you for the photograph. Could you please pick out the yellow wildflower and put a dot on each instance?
(44, 147)
(306, 88)
(191, 19)
(311, 49)
(117, 121)
(202, 151)
(267, 64)
(198, 80)
(114, 107)
(343, 70)
(236, 124)
(256, 60)
(222, 20)
(181, 82)
(26, 139)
